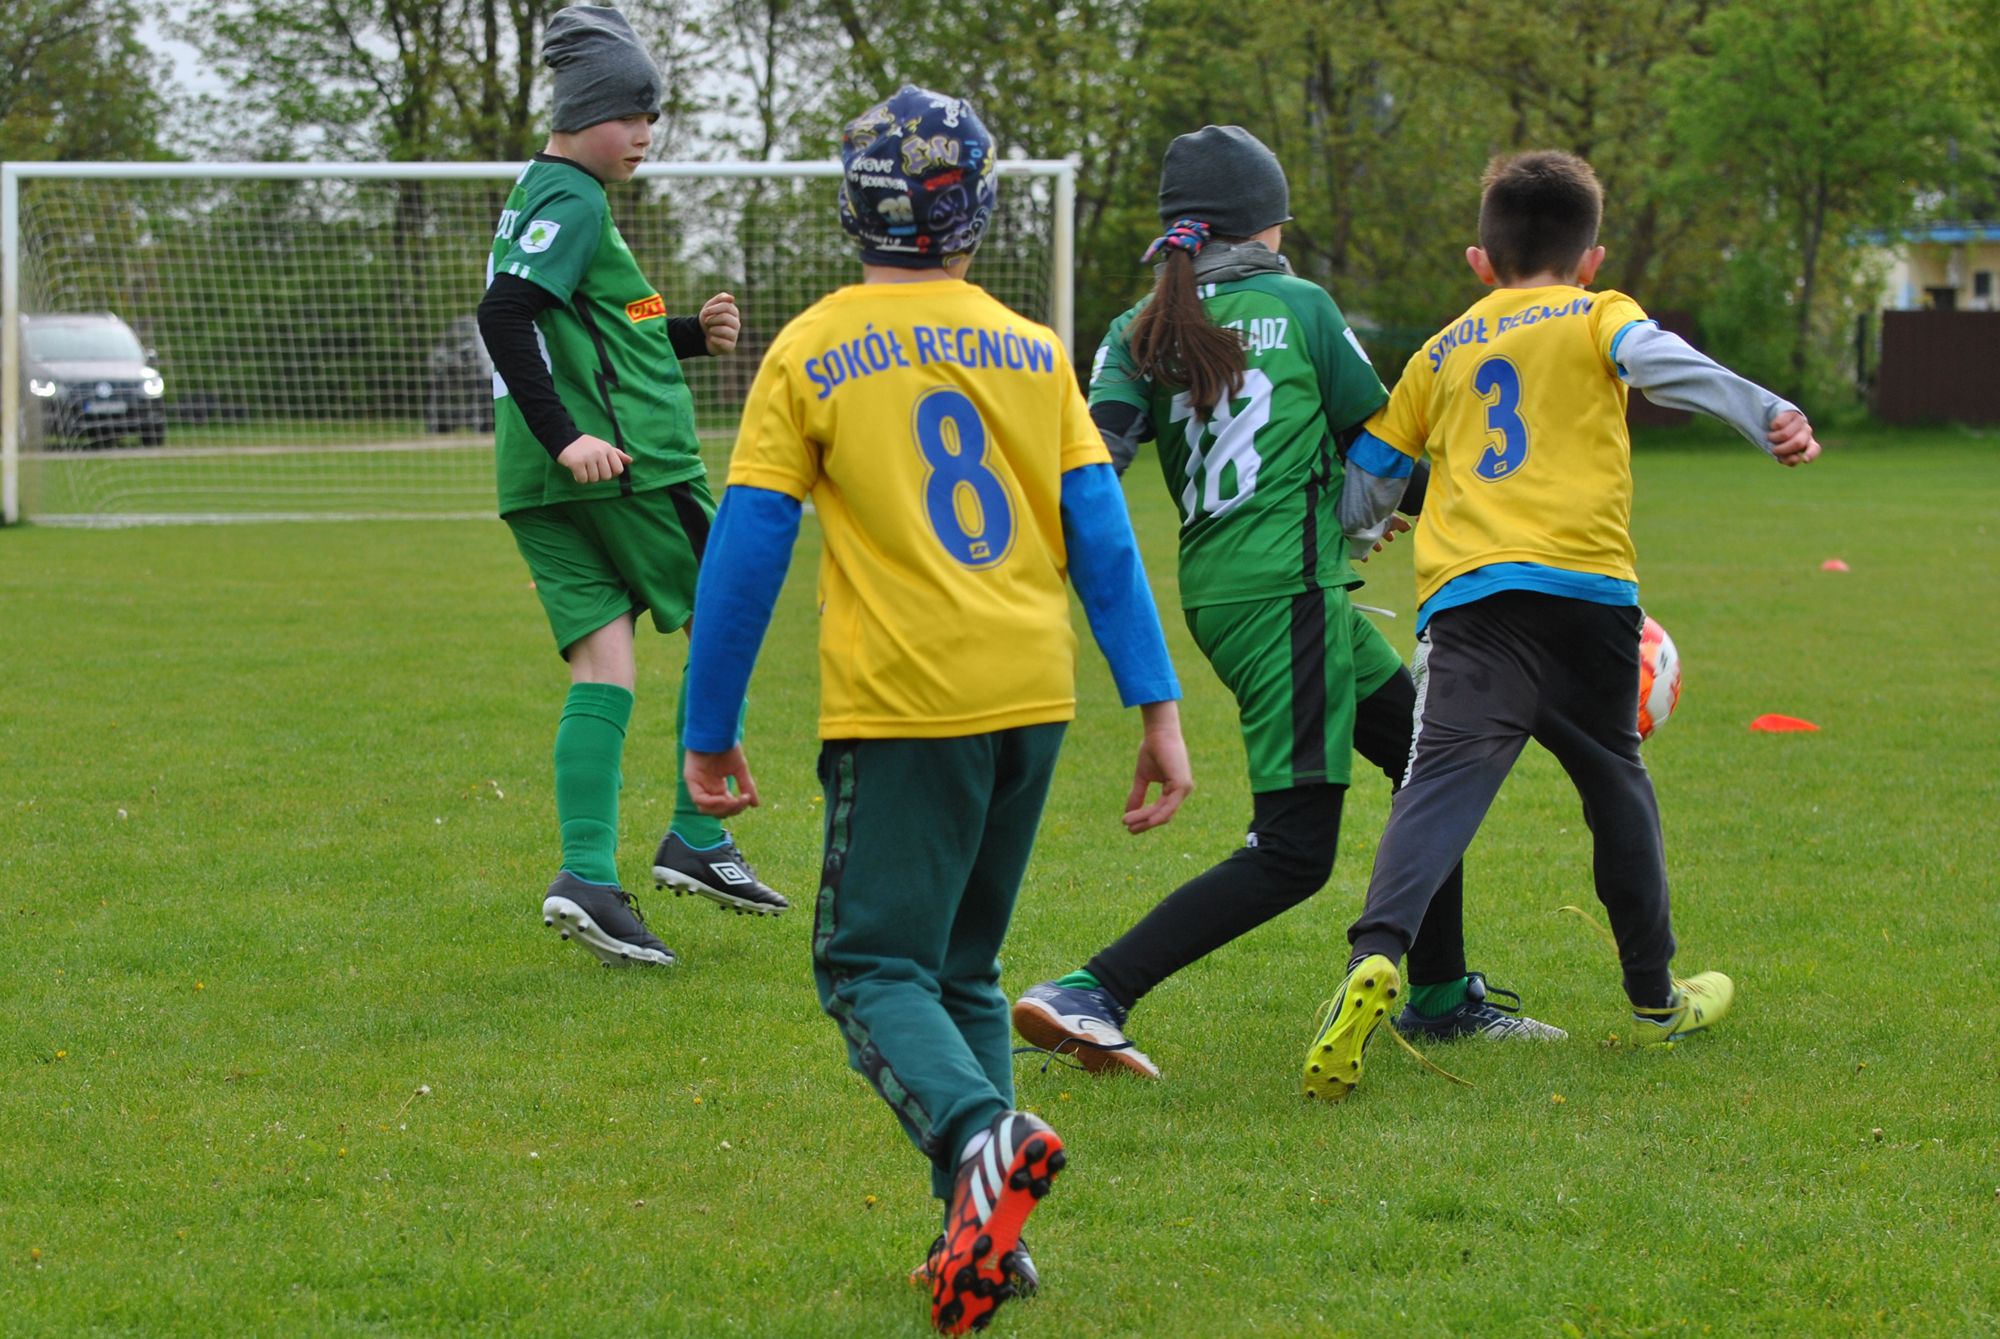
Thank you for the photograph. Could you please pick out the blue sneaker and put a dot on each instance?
(1086, 1024)
(1480, 1014)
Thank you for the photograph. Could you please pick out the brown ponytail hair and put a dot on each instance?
(1173, 341)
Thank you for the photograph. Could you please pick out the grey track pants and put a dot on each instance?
(1491, 675)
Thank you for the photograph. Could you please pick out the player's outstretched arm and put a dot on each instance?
(710, 778)
(1676, 375)
(1110, 579)
(1163, 762)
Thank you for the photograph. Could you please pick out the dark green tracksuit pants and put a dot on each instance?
(926, 844)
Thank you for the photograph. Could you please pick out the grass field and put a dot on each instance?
(287, 1049)
(278, 470)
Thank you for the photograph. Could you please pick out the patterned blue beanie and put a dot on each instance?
(919, 184)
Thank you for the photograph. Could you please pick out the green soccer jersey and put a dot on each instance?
(1257, 481)
(606, 346)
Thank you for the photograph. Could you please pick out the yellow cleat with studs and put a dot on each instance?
(1333, 1065)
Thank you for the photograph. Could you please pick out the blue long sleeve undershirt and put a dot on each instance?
(742, 570)
(739, 586)
(1110, 580)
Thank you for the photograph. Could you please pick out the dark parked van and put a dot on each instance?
(92, 380)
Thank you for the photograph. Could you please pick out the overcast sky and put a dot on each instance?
(189, 76)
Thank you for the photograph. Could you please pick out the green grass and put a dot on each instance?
(262, 469)
(275, 820)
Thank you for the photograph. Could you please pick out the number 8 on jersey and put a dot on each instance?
(967, 504)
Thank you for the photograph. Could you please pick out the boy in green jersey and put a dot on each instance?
(1251, 380)
(599, 469)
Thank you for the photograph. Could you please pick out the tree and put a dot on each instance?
(1576, 75)
(76, 82)
(406, 80)
(1811, 122)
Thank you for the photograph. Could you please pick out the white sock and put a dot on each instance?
(974, 1145)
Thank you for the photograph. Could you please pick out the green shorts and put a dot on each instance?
(1297, 666)
(595, 562)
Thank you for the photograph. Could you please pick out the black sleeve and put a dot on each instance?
(1124, 426)
(507, 323)
(684, 332)
(1345, 438)
(1413, 491)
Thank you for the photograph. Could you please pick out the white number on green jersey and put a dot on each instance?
(1222, 443)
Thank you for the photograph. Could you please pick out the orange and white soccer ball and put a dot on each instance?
(1659, 678)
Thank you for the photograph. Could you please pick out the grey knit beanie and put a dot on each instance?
(1224, 176)
(601, 67)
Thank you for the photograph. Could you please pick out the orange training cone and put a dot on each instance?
(1773, 724)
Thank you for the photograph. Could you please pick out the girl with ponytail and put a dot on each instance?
(1251, 382)
(1171, 339)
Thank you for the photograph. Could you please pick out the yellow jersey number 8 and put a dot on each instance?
(966, 503)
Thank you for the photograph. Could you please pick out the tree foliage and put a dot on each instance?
(1806, 123)
(77, 82)
(405, 80)
(1745, 147)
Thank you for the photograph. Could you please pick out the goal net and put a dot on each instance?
(215, 342)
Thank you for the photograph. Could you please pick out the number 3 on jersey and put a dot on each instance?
(1501, 380)
(966, 503)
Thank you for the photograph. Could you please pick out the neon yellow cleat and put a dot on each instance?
(1333, 1065)
(1699, 1002)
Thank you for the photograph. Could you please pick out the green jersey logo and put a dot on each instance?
(540, 235)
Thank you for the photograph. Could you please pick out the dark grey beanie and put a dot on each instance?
(602, 69)
(1224, 176)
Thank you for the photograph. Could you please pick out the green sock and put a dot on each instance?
(1436, 1001)
(1078, 980)
(690, 824)
(590, 745)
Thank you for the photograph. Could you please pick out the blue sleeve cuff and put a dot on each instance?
(742, 570)
(1378, 458)
(1110, 580)
(1619, 338)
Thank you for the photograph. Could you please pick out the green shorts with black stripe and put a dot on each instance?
(1297, 665)
(595, 562)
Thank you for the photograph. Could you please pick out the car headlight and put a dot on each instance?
(43, 389)
(154, 385)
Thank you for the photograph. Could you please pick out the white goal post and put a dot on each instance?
(202, 342)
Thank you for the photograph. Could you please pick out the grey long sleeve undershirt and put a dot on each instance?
(1366, 503)
(1675, 375)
